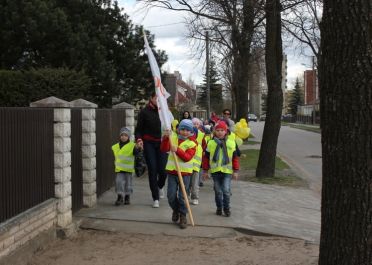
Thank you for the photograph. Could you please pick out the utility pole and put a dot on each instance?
(314, 91)
(207, 73)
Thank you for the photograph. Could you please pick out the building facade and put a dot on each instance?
(181, 93)
(311, 87)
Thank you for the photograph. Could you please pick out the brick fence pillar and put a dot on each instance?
(88, 150)
(62, 156)
(129, 115)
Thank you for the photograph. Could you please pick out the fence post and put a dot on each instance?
(62, 156)
(88, 116)
(129, 115)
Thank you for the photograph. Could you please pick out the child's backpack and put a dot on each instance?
(139, 164)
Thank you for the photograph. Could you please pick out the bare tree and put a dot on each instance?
(225, 71)
(233, 23)
(274, 58)
(345, 78)
(301, 24)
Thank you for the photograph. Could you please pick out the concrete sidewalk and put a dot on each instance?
(256, 208)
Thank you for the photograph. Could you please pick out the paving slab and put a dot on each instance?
(256, 208)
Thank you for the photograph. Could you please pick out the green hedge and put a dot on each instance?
(20, 88)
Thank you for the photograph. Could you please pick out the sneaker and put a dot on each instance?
(183, 221)
(161, 193)
(227, 212)
(219, 211)
(126, 199)
(175, 216)
(156, 204)
(195, 202)
(119, 200)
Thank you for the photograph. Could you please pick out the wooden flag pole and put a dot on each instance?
(182, 185)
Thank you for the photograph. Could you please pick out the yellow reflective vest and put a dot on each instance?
(217, 166)
(231, 136)
(185, 167)
(124, 158)
(199, 151)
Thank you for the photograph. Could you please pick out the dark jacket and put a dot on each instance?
(148, 124)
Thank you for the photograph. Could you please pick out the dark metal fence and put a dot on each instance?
(26, 159)
(108, 124)
(305, 119)
(76, 160)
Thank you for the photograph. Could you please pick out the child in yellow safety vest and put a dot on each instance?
(125, 152)
(222, 161)
(196, 175)
(184, 146)
(208, 136)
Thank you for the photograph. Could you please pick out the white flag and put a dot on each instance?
(165, 115)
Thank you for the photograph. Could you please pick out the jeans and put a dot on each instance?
(123, 183)
(156, 162)
(222, 185)
(174, 193)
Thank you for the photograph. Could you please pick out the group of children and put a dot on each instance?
(197, 154)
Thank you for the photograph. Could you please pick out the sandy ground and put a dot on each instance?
(91, 247)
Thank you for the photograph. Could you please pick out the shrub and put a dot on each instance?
(20, 88)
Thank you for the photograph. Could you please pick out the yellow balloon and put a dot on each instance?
(243, 133)
(238, 125)
(238, 141)
(174, 125)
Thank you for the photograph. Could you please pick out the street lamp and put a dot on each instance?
(207, 73)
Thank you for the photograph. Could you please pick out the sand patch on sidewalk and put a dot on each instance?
(110, 248)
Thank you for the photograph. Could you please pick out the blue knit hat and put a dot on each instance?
(126, 131)
(186, 124)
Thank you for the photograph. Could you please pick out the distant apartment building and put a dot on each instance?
(311, 87)
(258, 83)
(311, 93)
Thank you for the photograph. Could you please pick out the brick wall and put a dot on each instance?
(19, 230)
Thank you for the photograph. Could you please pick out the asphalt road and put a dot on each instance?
(300, 149)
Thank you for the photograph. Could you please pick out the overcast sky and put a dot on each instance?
(170, 31)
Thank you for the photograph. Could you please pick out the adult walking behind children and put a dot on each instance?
(184, 145)
(125, 152)
(148, 130)
(223, 162)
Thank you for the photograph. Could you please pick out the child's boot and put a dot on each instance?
(126, 199)
(119, 200)
(219, 211)
(227, 212)
(175, 216)
(183, 221)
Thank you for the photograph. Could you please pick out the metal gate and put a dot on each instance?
(76, 160)
(108, 124)
(26, 159)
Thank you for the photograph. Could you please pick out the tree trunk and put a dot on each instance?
(345, 79)
(242, 85)
(273, 60)
(242, 41)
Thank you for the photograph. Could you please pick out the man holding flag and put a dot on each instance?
(166, 118)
